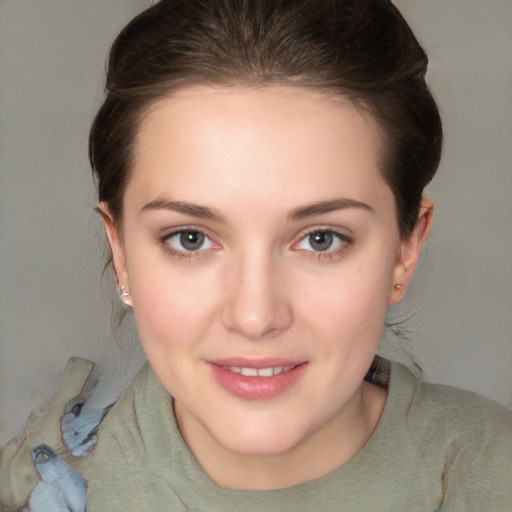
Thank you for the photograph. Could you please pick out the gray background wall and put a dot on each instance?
(52, 301)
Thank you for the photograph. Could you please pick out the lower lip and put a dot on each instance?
(256, 388)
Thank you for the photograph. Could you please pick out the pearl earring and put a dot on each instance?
(125, 297)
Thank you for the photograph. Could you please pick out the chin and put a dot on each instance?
(259, 447)
(263, 440)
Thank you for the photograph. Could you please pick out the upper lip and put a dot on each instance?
(257, 364)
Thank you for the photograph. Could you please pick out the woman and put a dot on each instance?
(261, 168)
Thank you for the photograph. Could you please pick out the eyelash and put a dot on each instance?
(327, 255)
(344, 240)
(183, 254)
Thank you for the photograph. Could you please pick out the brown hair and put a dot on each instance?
(362, 50)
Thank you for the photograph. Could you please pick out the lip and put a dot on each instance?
(256, 388)
(255, 363)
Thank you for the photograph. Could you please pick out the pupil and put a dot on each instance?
(191, 240)
(321, 241)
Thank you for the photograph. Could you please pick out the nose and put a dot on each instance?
(256, 305)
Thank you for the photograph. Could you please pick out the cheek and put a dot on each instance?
(354, 299)
(173, 303)
(172, 315)
(168, 304)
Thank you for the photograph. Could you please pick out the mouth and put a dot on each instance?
(257, 381)
(260, 372)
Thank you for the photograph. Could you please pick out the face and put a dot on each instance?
(260, 247)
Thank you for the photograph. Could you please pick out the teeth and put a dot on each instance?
(262, 372)
(249, 372)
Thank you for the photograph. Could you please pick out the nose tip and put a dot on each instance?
(256, 306)
(256, 325)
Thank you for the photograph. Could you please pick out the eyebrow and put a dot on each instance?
(302, 212)
(194, 210)
(323, 207)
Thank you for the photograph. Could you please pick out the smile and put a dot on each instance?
(269, 380)
(260, 372)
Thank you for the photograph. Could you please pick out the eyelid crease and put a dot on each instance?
(322, 229)
(167, 233)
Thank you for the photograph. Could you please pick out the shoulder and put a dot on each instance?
(39, 471)
(82, 447)
(469, 411)
(449, 415)
(467, 439)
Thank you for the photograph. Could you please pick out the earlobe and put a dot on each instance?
(116, 246)
(410, 249)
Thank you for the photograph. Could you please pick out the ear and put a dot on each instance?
(116, 246)
(410, 248)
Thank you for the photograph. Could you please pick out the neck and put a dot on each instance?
(330, 447)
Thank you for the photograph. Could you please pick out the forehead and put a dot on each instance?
(298, 141)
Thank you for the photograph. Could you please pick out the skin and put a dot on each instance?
(258, 288)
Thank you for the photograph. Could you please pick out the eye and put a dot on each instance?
(188, 240)
(324, 240)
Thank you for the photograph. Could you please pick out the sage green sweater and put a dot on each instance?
(435, 448)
